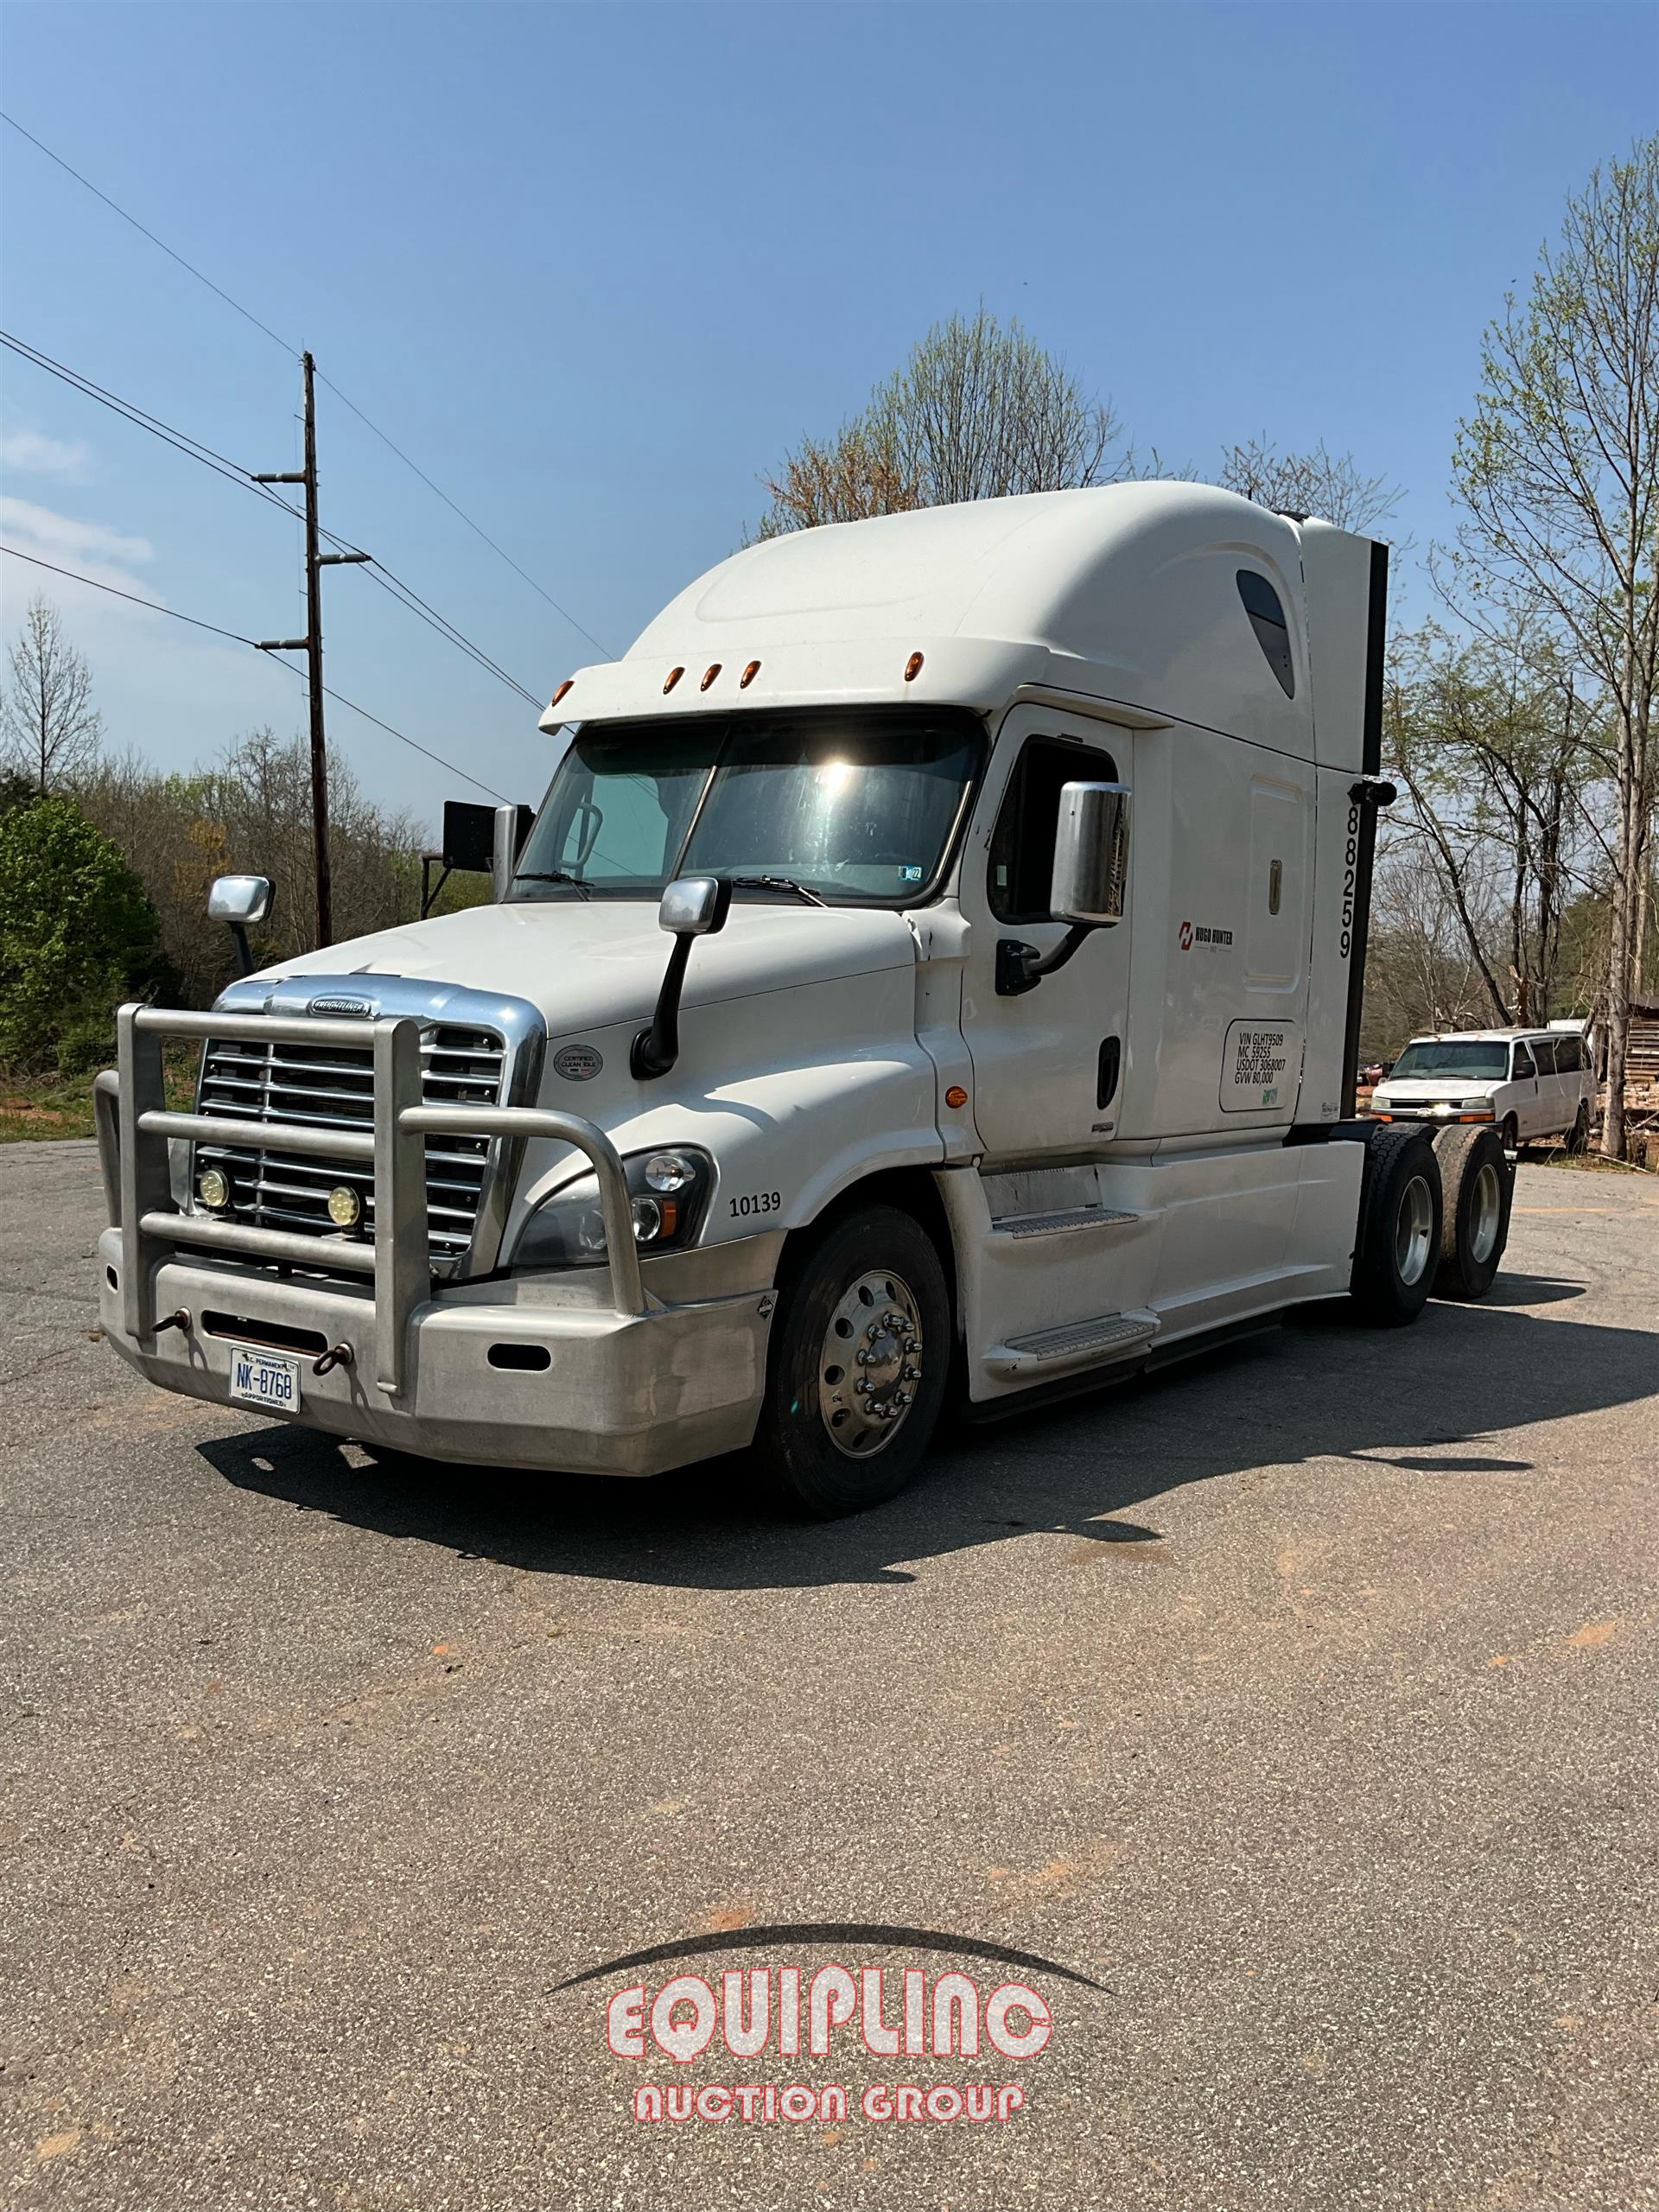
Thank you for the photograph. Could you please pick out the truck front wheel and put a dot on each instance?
(860, 1355)
(1397, 1247)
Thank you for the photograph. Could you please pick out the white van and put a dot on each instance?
(1531, 1083)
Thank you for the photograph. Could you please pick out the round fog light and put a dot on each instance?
(345, 1206)
(214, 1187)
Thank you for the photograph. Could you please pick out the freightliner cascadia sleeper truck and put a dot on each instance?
(1015, 860)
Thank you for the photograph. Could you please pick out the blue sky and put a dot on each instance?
(595, 267)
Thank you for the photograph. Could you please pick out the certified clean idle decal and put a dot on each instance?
(792, 2039)
(578, 1063)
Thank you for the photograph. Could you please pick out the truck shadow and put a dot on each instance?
(1424, 1402)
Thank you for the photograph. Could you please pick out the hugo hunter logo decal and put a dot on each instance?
(738, 2045)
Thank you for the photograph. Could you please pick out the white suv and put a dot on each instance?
(1533, 1083)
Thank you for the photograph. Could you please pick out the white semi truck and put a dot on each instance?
(1014, 860)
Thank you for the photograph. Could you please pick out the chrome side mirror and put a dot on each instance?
(1087, 887)
(1091, 855)
(693, 907)
(512, 828)
(242, 901)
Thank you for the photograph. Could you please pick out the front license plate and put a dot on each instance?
(265, 1379)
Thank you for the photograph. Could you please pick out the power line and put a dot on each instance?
(477, 528)
(235, 638)
(245, 313)
(193, 450)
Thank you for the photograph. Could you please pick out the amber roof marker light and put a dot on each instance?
(748, 676)
(672, 678)
(708, 675)
(913, 667)
(562, 689)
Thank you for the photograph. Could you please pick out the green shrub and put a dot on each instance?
(77, 936)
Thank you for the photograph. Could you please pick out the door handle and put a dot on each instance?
(1106, 1070)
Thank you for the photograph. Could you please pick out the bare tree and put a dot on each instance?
(1319, 483)
(1498, 753)
(1558, 472)
(979, 412)
(51, 728)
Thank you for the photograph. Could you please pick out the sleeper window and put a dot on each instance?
(1267, 615)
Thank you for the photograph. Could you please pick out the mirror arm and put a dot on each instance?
(1020, 966)
(655, 1050)
(244, 950)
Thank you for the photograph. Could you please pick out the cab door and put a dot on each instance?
(1049, 1064)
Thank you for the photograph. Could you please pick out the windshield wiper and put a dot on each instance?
(552, 875)
(776, 883)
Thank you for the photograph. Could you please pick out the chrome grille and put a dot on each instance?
(332, 1086)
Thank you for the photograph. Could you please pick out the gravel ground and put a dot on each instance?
(1305, 1702)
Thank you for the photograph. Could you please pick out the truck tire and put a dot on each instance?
(1398, 1240)
(866, 1305)
(1477, 1190)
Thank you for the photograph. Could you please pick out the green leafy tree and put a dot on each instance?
(1558, 474)
(77, 936)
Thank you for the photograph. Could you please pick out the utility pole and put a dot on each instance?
(311, 644)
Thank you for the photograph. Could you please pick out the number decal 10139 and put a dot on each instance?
(757, 1202)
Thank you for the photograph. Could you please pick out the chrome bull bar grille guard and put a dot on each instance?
(135, 1128)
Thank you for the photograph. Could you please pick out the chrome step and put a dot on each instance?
(1059, 1223)
(1108, 1337)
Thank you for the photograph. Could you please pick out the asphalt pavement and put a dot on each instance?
(1289, 1725)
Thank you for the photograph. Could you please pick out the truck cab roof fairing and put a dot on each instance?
(1129, 593)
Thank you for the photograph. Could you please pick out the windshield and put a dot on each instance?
(853, 807)
(1488, 1059)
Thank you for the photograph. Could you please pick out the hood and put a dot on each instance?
(584, 964)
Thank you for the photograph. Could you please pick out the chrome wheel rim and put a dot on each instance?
(870, 1365)
(1484, 1214)
(1414, 1226)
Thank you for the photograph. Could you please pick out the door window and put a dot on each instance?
(1524, 1068)
(1022, 844)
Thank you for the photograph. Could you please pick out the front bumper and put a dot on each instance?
(621, 1393)
(605, 1378)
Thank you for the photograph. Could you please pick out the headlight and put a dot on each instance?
(668, 1188)
(1475, 1106)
